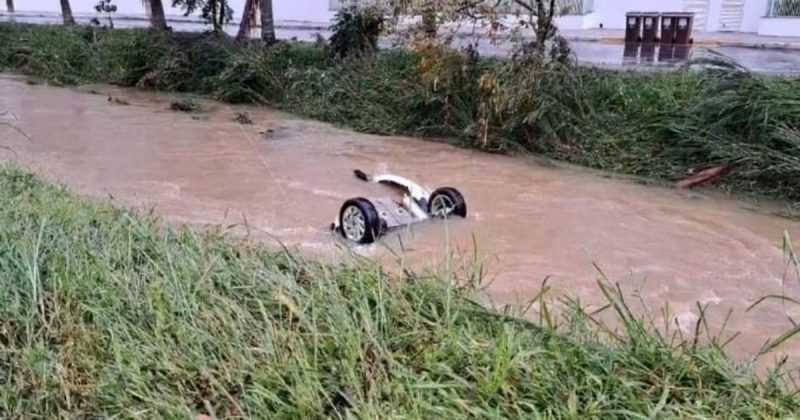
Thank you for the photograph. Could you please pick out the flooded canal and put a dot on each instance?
(287, 177)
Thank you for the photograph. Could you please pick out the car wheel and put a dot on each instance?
(446, 202)
(359, 221)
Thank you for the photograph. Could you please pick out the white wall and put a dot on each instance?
(587, 21)
(754, 10)
(611, 13)
(305, 10)
(712, 20)
(780, 26)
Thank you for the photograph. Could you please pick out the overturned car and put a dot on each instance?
(363, 220)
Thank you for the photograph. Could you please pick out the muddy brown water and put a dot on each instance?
(288, 177)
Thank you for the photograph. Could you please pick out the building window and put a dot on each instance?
(784, 8)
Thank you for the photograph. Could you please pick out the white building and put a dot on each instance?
(766, 17)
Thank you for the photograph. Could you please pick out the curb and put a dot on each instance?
(705, 43)
(302, 27)
(708, 43)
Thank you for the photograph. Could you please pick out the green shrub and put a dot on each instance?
(125, 57)
(247, 78)
(62, 55)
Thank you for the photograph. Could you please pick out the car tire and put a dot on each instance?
(359, 221)
(451, 198)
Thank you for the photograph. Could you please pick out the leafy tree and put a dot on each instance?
(537, 16)
(215, 12)
(107, 7)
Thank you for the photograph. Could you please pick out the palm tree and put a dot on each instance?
(267, 23)
(249, 18)
(10, 6)
(66, 13)
(249, 15)
(155, 10)
(429, 19)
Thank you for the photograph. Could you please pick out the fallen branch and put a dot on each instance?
(705, 176)
(13, 126)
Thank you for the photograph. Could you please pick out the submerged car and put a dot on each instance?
(363, 220)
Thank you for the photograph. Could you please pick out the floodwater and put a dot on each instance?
(287, 177)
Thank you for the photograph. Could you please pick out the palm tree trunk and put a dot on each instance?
(429, 18)
(248, 20)
(66, 13)
(222, 8)
(267, 22)
(212, 5)
(157, 19)
(10, 6)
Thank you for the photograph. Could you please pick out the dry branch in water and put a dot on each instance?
(4, 114)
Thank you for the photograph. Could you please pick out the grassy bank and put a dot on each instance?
(107, 313)
(661, 125)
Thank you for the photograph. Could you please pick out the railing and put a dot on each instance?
(565, 7)
(784, 8)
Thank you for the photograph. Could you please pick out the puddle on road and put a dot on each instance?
(531, 221)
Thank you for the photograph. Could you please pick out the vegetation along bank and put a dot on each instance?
(105, 312)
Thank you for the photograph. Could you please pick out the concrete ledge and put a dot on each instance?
(587, 21)
(779, 26)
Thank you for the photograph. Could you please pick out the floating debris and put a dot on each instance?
(118, 101)
(184, 105)
(267, 133)
(243, 118)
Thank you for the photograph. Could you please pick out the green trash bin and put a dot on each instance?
(683, 28)
(650, 27)
(633, 27)
(668, 24)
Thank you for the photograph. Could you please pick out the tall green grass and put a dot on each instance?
(106, 313)
(662, 125)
